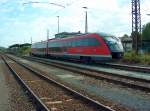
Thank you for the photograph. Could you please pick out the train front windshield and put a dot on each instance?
(114, 43)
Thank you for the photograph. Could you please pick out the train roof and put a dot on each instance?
(105, 34)
(102, 34)
(63, 38)
(67, 34)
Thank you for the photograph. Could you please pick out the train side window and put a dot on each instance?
(80, 42)
(59, 44)
(68, 43)
(89, 42)
(93, 42)
(85, 42)
(77, 42)
(65, 44)
(73, 43)
(50, 44)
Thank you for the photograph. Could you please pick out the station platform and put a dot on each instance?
(4, 91)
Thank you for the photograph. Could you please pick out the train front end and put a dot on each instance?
(115, 46)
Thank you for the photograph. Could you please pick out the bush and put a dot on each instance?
(145, 59)
(132, 57)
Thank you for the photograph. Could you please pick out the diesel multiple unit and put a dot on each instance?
(86, 47)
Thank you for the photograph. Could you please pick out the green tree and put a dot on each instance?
(146, 32)
(137, 43)
(125, 36)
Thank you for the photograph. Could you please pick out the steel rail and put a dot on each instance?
(39, 104)
(125, 83)
(79, 95)
(90, 69)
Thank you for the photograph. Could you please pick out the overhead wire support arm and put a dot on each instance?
(30, 2)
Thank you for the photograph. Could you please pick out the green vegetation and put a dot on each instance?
(132, 57)
(24, 50)
(2, 49)
(20, 49)
(146, 32)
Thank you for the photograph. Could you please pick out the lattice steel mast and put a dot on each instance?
(136, 24)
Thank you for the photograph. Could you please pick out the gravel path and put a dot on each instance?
(4, 92)
(17, 99)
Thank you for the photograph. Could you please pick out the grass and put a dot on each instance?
(132, 57)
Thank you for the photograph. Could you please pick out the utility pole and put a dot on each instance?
(31, 40)
(136, 25)
(86, 22)
(58, 24)
(47, 34)
(47, 42)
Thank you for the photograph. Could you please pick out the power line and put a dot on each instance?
(66, 6)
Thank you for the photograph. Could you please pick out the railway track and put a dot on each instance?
(128, 81)
(40, 87)
(127, 67)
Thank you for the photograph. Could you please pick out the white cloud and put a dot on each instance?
(112, 16)
(145, 9)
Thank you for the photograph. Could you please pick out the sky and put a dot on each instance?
(20, 22)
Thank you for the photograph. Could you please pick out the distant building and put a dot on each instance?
(127, 43)
(146, 46)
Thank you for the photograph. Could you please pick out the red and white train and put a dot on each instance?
(86, 47)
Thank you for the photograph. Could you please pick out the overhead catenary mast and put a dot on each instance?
(136, 24)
